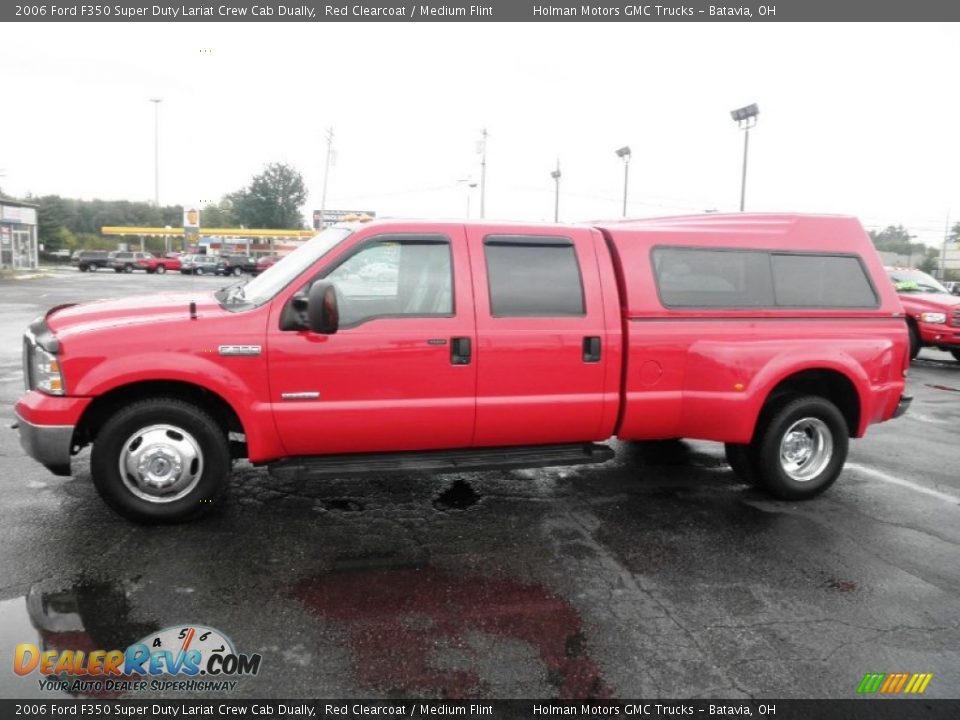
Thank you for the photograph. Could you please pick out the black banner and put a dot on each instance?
(479, 11)
(858, 709)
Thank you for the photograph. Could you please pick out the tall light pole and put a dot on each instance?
(326, 174)
(746, 118)
(483, 172)
(471, 184)
(156, 150)
(556, 192)
(624, 154)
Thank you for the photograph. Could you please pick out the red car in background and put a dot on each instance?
(266, 262)
(160, 265)
(933, 314)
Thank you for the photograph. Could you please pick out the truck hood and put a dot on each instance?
(129, 311)
(930, 301)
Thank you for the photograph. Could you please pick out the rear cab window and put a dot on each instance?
(533, 276)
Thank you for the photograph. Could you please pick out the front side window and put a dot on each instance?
(533, 276)
(395, 277)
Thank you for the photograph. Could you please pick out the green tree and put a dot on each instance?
(273, 199)
(218, 215)
(894, 238)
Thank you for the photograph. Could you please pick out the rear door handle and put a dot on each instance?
(460, 351)
(591, 349)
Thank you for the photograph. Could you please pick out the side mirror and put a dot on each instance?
(323, 313)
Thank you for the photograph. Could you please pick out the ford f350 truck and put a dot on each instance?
(412, 345)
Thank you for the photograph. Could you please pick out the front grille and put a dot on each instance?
(28, 379)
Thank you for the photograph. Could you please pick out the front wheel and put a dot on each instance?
(956, 355)
(128, 268)
(914, 340)
(801, 449)
(160, 461)
(237, 272)
(161, 269)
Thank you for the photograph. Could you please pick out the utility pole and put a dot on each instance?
(743, 176)
(943, 250)
(326, 175)
(746, 118)
(556, 192)
(483, 174)
(156, 163)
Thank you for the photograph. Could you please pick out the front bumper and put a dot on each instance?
(903, 405)
(47, 444)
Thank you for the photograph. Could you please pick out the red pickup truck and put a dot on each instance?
(933, 313)
(448, 346)
(160, 265)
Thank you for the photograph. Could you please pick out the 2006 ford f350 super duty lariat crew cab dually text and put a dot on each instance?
(411, 345)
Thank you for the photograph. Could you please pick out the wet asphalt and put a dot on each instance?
(656, 575)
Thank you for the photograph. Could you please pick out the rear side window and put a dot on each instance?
(692, 277)
(533, 276)
(821, 281)
(729, 278)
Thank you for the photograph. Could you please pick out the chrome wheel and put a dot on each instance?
(161, 463)
(806, 449)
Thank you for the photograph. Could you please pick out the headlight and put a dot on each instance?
(933, 317)
(46, 372)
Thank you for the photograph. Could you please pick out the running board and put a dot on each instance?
(447, 461)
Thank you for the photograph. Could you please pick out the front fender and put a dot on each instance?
(239, 381)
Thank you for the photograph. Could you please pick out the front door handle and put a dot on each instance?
(460, 351)
(591, 349)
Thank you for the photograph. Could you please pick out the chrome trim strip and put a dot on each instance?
(310, 395)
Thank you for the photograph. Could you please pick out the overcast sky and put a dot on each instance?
(855, 119)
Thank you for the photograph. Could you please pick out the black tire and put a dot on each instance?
(237, 272)
(161, 269)
(82, 268)
(128, 268)
(117, 270)
(956, 355)
(198, 271)
(740, 459)
(199, 495)
(815, 417)
(914, 340)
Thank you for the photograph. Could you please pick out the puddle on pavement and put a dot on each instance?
(395, 618)
(87, 615)
(458, 496)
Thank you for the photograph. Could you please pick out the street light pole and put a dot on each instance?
(746, 118)
(556, 192)
(326, 174)
(156, 150)
(483, 174)
(625, 154)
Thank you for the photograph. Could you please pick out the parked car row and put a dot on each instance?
(187, 264)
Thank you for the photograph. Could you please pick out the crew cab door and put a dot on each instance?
(545, 365)
(400, 373)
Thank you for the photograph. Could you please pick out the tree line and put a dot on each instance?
(272, 200)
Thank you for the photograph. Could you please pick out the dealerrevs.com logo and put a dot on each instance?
(894, 683)
(182, 658)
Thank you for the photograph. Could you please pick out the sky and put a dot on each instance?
(858, 119)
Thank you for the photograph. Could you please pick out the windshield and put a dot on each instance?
(914, 281)
(263, 287)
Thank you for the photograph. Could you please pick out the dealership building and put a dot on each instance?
(18, 235)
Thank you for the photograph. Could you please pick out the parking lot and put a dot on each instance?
(657, 574)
